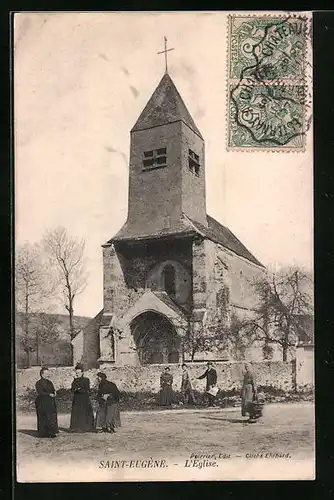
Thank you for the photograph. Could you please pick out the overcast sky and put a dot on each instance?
(81, 81)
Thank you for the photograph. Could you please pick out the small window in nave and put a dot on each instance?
(169, 279)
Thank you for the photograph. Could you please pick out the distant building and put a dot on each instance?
(306, 331)
(48, 341)
(171, 265)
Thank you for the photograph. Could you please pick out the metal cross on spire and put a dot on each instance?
(165, 52)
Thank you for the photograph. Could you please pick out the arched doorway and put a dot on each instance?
(156, 338)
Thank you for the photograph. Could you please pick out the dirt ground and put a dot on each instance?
(174, 436)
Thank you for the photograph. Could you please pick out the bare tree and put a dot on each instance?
(195, 340)
(284, 298)
(66, 257)
(209, 334)
(29, 290)
(237, 337)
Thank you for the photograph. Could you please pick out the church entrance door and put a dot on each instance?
(156, 339)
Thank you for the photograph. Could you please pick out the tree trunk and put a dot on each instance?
(70, 312)
(285, 353)
(28, 359)
(37, 348)
(72, 331)
(26, 327)
(285, 346)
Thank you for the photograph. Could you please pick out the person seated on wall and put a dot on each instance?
(166, 390)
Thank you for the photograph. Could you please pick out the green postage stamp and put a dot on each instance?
(269, 82)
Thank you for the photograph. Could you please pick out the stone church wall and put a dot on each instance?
(220, 275)
(199, 274)
(193, 186)
(241, 275)
(277, 375)
(128, 270)
(155, 195)
(118, 296)
(182, 280)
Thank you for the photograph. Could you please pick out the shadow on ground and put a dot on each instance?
(33, 432)
(28, 432)
(231, 420)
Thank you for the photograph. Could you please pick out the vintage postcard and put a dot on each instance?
(163, 246)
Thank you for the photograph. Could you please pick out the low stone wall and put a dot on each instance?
(276, 375)
(305, 367)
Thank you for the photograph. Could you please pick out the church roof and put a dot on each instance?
(169, 302)
(214, 231)
(221, 234)
(165, 106)
(128, 232)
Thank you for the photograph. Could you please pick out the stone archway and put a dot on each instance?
(156, 338)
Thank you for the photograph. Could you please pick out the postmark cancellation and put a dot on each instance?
(269, 87)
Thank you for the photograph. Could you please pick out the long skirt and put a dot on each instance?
(166, 396)
(46, 411)
(188, 396)
(247, 400)
(108, 416)
(82, 417)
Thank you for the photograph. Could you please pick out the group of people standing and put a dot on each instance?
(167, 396)
(249, 397)
(107, 416)
(82, 416)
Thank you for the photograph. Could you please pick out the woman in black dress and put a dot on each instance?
(82, 417)
(166, 390)
(108, 414)
(46, 410)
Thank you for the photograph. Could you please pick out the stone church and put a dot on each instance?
(171, 266)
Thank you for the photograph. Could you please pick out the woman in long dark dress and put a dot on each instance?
(108, 414)
(82, 417)
(186, 387)
(166, 391)
(46, 409)
(248, 394)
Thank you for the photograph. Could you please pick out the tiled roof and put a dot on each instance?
(214, 231)
(222, 235)
(128, 232)
(170, 303)
(165, 106)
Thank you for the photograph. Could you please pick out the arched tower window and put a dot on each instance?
(169, 279)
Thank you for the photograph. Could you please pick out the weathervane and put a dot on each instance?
(165, 52)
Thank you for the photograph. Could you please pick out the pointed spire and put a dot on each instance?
(165, 106)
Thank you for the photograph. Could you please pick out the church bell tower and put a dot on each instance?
(167, 167)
